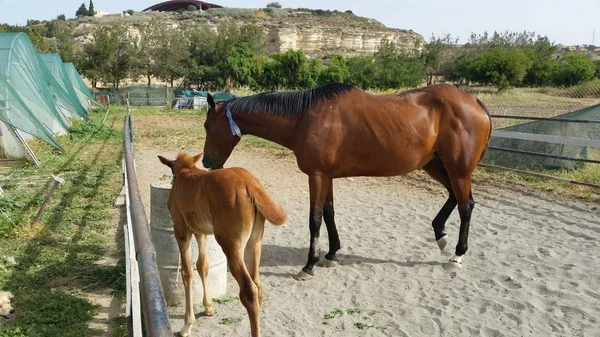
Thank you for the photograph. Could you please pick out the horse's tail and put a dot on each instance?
(490, 135)
(266, 206)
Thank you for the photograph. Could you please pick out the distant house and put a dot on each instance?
(101, 14)
(178, 5)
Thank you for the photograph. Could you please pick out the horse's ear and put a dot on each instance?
(211, 101)
(165, 161)
(197, 157)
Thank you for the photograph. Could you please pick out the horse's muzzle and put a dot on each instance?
(209, 163)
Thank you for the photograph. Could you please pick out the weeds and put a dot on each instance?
(229, 320)
(225, 300)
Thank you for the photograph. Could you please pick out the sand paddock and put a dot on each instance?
(532, 268)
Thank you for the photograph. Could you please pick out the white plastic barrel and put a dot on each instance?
(168, 258)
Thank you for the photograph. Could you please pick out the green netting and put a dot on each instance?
(26, 101)
(553, 128)
(69, 99)
(83, 93)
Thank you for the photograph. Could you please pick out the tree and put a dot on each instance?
(273, 5)
(287, 70)
(82, 11)
(242, 65)
(61, 32)
(396, 68)
(40, 43)
(432, 55)
(146, 53)
(61, 17)
(91, 11)
(501, 66)
(110, 56)
(574, 70)
(540, 72)
(337, 71)
(362, 71)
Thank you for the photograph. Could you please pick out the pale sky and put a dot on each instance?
(567, 22)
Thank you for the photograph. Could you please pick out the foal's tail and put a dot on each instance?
(490, 135)
(266, 206)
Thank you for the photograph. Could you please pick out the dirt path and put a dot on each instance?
(532, 268)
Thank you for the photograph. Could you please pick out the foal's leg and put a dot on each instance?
(253, 252)
(248, 289)
(202, 267)
(319, 187)
(334, 239)
(435, 168)
(184, 240)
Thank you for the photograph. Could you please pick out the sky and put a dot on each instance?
(567, 22)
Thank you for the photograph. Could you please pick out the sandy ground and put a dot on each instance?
(532, 268)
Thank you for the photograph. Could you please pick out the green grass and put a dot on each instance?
(333, 314)
(229, 320)
(225, 300)
(54, 259)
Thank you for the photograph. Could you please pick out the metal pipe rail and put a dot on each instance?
(153, 303)
(549, 119)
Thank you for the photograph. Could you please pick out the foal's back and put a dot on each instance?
(221, 197)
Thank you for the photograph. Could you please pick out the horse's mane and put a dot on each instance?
(186, 160)
(289, 103)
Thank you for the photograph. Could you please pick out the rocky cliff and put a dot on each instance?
(317, 32)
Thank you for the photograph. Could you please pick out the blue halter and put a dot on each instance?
(235, 130)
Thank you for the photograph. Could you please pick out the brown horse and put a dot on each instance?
(338, 130)
(232, 205)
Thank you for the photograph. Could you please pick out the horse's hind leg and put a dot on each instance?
(253, 252)
(202, 267)
(248, 289)
(435, 168)
(464, 197)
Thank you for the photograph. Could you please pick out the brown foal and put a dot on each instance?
(231, 204)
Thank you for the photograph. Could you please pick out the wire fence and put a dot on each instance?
(139, 95)
(544, 129)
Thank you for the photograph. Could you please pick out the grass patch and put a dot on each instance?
(333, 314)
(229, 320)
(225, 300)
(50, 266)
(353, 311)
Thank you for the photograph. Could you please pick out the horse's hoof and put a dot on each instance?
(327, 263)
(303, 276)
(185, 331)
(442, 242)
(454, 263)
(210, 311)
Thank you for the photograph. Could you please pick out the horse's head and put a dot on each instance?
(182, 161)
(220, 138)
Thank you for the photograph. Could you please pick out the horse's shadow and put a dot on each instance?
(283, 256)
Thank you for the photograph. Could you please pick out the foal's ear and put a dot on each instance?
(211, 101)
(165, 161)
(197, 157)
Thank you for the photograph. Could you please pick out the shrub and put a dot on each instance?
(273, 5)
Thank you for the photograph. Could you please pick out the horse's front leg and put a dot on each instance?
(319, 187)
(334, 239)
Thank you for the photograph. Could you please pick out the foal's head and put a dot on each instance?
(220, 138)
(183, 161)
